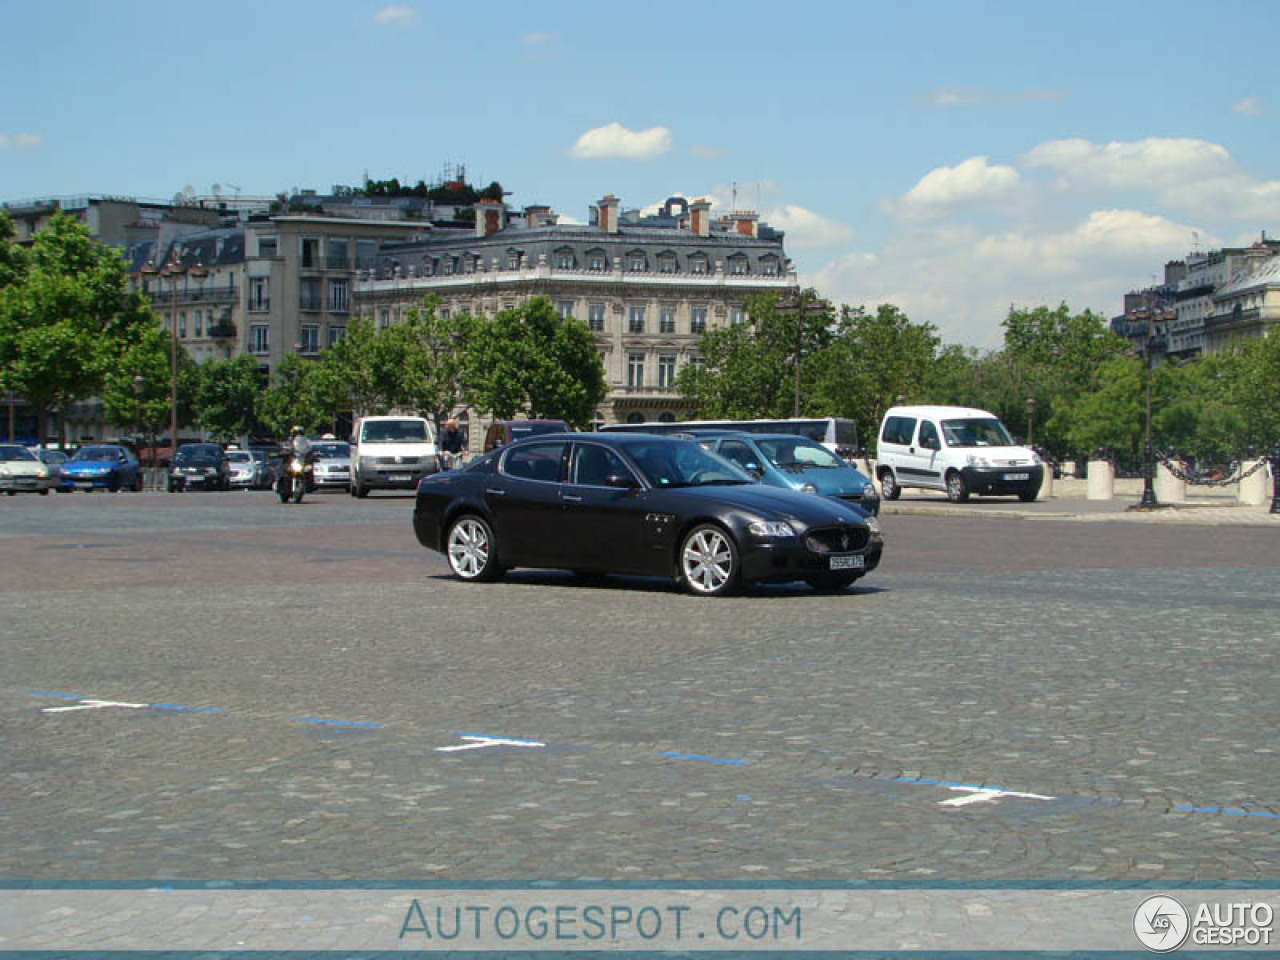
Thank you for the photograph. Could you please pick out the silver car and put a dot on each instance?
(332, 459)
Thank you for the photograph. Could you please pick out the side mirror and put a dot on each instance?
(622, 481)
(754, 469)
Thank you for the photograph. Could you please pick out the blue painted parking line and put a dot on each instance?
(46, 693)
(360, 724)
(1228, 811)
(697, 756)
(185, 709)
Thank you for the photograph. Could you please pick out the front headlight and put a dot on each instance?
(770, 528)
(4, 472)
(368, 463)
(973, 461)
(873, 525)
(808, 488)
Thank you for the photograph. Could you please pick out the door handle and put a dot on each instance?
(495, 493)
(570, 498)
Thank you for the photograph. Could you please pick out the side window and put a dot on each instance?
(538, 461)
(929, 435)
(592, 465)
(738, 452)
(898, 430)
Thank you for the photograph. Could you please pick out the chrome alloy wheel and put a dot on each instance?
(708, 561)
(469, 548)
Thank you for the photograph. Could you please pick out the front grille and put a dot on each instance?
(837, 539)
(400, 461)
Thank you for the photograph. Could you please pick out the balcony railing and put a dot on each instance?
(208, 295)
(226, 330)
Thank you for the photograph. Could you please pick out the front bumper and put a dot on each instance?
(1002, 480)
(95, 481)
(387, 476)
(23, 483)
(340, 478)
(787, 558)
(206, 480)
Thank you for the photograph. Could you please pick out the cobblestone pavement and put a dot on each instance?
(1037, 700)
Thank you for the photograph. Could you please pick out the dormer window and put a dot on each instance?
(769, 266)
(698, 263)
(637, 262)
(666, 262)
(513, 259)
(564, 258)
(596, 261)
(737, 264)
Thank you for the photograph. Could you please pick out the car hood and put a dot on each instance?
(830, 481)
(1000, 456)
(774, 503)
(26, 467)
(89, 466)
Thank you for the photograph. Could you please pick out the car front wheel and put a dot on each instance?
(957, 491)
(471, 549)
(709, 562)
(889, 488)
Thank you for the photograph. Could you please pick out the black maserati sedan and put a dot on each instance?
(637, 503)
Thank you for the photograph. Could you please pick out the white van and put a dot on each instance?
(391, 453)
(957, 449)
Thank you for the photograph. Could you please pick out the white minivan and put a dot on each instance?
(957, 449)
(391, 453)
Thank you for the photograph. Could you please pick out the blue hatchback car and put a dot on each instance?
(794, 463)
(102, 467)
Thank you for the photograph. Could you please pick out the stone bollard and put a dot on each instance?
(1169, 488)
(1046, 482)
(1255, 489)
(1102, 481)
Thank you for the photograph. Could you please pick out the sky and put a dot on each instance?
(953, 159)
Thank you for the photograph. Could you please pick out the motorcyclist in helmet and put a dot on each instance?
(299, 445)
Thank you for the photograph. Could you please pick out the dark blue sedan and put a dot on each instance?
(102, 467)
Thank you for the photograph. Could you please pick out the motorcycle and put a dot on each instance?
(297, 476)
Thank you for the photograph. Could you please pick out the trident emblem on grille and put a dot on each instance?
(844, 541)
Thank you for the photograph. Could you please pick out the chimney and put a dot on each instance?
(746, 223)
(700, 218)
(488, 216)
(537, 216)
(608, 216)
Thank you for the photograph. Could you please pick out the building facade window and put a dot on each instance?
(336, 334)
(182, 325)
(769, 266)
(595, 316)
(637, 262)
(635, 370)
(698, 320)
(268, 246)
(384, 317)
(199, 324)
(309, 293)
(366, 254)
(564, 308)
(596, 262)
(564, 259)
(737, 316)
(666, 263)
(259, 339)
(339, 296)
(513, 259)
(667, 371)
(738, 265)
(667, 320)
(698, 263)
(337, 254)
(259, 294)
(309, 252)
(309, 338)
(635, 320)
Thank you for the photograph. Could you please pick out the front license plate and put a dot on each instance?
(399, 477)
(855, 562)
(1017, 476)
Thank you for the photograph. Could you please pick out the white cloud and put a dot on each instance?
(963, 280)
(616, 141)
(807, 230)
(22, 141)
(398, 15)
(947, 188)
(1251, 107)
(965, 96)
(1155, 162)
(537, 37)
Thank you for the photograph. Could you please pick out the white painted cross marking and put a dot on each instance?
(95, 705)
(479, 743)
(986, 795)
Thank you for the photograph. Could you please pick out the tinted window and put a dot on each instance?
(738, 452)
(522, 430)
(15, 453)
(537, 461)
(331, 450)
(394, 431)
(592, 465)
(898, 430)
(929, 435)
(976, 433)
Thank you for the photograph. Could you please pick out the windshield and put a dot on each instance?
(15, 453)
(331, 451)
(792, 453)
(976, 433)
(96, 453)
(195, 453)
(684, 464)
(239, 456)
(395, 431)
(532, 429)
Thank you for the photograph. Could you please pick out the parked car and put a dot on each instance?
(201, 465)
(245, 471)
(639, 504)
(21, 470)
(502, 432)
(103, 467)
(54, 459)
(794, 463)
(332, 459)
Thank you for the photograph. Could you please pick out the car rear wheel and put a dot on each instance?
(472, 550)
(889, 488)
(957, 490)
(709, 561)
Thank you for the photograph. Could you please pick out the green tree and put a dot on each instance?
(436, 359)
(748, 369)
(531, 361)
(1257, 392)
(1110, 417)
(227, 397)
(871, 361)
(66, 316)
(367, 368)
(301, 393)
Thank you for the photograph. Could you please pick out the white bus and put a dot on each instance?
(835, 433)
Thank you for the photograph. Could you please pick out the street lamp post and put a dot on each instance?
(1031, 412)
(171, 272)
(802, 302)
(1275, 478)
(138, 383)
(1148, 501)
